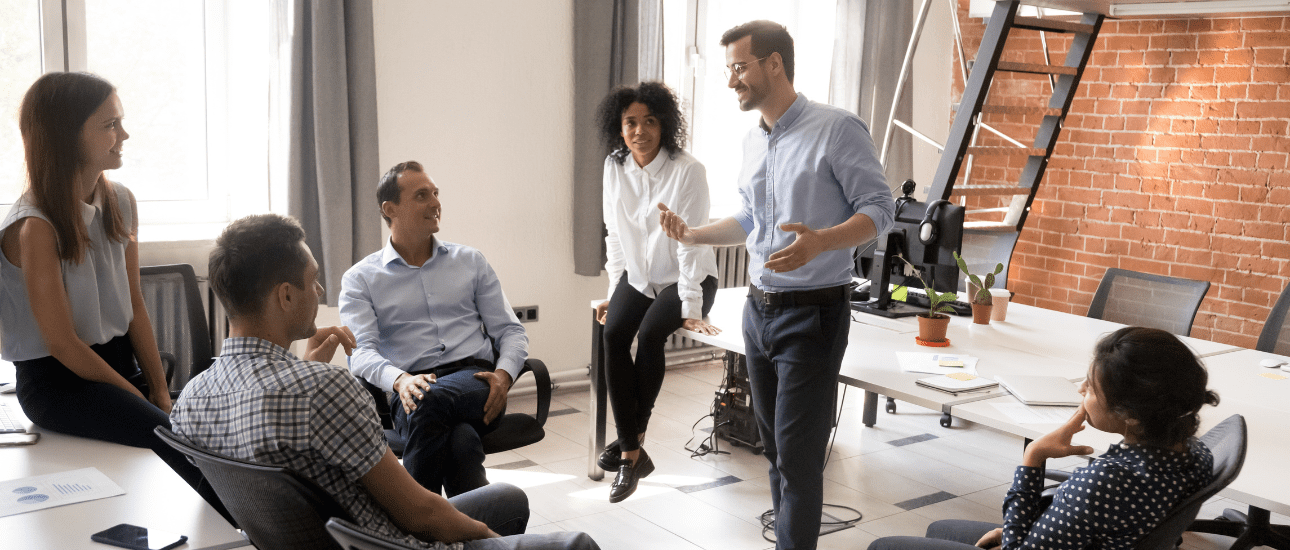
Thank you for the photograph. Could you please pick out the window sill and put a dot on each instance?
(180, 232)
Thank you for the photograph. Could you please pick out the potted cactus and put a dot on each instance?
(933, 325)
(979, 290)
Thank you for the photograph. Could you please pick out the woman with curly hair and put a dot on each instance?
(1144, 384)
(656, 285)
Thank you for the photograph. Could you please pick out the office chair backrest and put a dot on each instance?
(353, 537)
(1146, 300)
(277, 507)
(174, 303)
(1227, 441)
(1276, 333)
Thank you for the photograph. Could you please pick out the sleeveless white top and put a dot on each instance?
(98, 288)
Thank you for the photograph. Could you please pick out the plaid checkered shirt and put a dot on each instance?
(259, 402)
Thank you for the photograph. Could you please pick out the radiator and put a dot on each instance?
(732, 271)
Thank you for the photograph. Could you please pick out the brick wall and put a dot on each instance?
(1173, 161)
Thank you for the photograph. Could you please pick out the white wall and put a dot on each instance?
(482, 94)
(930, 81)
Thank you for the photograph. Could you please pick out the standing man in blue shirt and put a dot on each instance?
(812, 191)
(433, 326)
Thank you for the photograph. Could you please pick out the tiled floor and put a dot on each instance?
(902, 474)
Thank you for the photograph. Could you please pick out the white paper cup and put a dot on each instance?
(1000, 297)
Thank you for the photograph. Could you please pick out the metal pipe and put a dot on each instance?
(918, 134)
(900, 82)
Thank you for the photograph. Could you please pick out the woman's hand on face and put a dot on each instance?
(602, 311)
(161, 398)
(1057, 444)
(697, 325)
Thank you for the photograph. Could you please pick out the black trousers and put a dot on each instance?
(57, 399)
(634, 385)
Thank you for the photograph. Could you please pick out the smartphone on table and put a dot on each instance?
(138, 538)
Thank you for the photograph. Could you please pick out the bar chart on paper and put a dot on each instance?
(37, 493)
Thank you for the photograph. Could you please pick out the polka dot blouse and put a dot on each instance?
(1109, 504)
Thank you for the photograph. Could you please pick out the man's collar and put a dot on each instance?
(389, 254)
(786, 120)
(250, 345)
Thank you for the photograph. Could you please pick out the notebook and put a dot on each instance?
(956, 383)
(1041, 390)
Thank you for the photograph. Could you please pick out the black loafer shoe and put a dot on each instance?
(611, 458)
(628, 476)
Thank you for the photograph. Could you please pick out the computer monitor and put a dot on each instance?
(879, 260)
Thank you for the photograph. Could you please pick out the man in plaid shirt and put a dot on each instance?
(260, 402)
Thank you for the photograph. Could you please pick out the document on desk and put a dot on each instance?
(1022, 413)
(29, 494)
(936, 363)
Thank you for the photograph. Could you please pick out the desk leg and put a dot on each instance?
(596, 431)
(870, 409)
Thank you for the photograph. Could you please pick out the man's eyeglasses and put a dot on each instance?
(739, 69)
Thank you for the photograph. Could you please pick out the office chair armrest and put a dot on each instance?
(543, 380)
(382, 403)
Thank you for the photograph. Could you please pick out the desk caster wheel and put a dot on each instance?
(891, 406)
(946, 420)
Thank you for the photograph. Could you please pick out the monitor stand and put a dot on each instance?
(893, 310)
(883, 305)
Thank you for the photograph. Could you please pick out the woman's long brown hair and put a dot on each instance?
(53, 113)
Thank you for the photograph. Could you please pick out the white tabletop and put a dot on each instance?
(155, 496)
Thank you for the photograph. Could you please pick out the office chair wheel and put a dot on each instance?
(946, 420)
(891, 406)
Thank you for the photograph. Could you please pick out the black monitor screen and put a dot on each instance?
(934, 259)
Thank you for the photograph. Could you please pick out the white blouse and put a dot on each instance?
(636, 244)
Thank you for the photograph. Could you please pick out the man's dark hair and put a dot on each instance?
(252, 257)
(767, 37)
(1149, 375)
(662, 104)
(388, 188)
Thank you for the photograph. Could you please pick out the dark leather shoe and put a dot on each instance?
(611, 457)
(628, 476)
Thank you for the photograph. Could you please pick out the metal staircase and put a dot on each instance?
(988, 242)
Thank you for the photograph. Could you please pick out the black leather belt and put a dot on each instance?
(454, 366)
(817, 297)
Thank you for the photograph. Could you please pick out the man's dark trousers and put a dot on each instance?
(439, 450)
(794, 353)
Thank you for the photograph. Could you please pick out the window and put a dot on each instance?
(195, 81)
(693, 61)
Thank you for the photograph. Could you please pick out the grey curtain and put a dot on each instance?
(867, 53)
(614, 43)
(333, 166)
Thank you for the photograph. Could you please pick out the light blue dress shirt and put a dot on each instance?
(817, 167)
(412, 318)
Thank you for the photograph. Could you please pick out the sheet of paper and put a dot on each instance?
(1022, 413)
(29, 494)
(930, 362)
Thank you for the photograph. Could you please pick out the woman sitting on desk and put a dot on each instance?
(1145, 384)
(72, 318)
(656, 285)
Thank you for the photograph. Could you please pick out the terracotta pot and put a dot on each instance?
(932, 329)
(981, 313)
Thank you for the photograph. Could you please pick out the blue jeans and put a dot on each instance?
(946, 534)
(504, 508)
(442, 448)
(794, 354)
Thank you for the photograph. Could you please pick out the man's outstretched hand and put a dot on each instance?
(674, 226)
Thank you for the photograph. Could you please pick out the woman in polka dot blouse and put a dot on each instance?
(1144, 384)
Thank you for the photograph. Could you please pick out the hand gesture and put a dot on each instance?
(993, 539)
(1057, 444)
(674, 226)
(411, 388)
(805, 248)
(701, 327)
(602, 311)
(499, 382)
(322, 345)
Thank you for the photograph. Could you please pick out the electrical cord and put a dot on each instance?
(767, 520)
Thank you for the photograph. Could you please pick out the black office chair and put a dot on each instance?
(276, 507)
(353, 537)
(174, 303)
(1227, 442)
(1143, 299)
(1275, 337)
(514, 430)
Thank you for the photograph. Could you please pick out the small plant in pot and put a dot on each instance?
(979, 289)
(933, 325)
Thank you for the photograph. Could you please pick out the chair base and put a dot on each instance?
(1249, 530)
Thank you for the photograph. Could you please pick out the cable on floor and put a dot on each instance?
(767, 519)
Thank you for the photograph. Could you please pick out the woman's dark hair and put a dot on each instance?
(253, 256)
(768, 37)
(51, 118)
(1148, 375)
(662, 104)
(387, 190)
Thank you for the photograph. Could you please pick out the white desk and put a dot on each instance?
(154, 496)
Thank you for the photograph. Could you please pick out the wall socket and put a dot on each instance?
(526, 314)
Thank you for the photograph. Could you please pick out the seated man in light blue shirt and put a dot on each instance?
(432, 326)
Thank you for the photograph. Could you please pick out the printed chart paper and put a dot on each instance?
(29, 494)
(1022, 413)
(930, 362)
